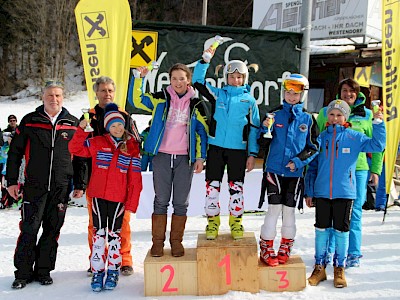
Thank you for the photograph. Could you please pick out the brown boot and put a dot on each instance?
(317, 275)
(158, 226)
(177, 229)
(339, 280)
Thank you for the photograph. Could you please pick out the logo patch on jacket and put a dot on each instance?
(64, 135)
(244, 100)
(279, 125)
(346, 150)
(303, 127)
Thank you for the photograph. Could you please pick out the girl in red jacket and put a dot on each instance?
(115, 185)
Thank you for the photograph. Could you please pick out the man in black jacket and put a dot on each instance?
(43, 137)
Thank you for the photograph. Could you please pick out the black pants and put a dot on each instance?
(46, 210)
(218, 158)
(334, 213)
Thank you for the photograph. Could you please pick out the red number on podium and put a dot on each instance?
(166, 287)
(227, 262)
(283, 279)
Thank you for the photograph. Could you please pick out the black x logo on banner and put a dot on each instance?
(96, 25)
(138, 48)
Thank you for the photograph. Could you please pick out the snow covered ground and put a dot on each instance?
(377, 278)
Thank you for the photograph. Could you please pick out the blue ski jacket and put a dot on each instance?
(332, 174)
(235, 117)
(294, 138)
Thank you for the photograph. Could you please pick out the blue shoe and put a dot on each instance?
(97, 281)
(111, 280)
(353, 261)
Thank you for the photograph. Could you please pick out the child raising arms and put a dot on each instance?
(115, 186)
(232, 141)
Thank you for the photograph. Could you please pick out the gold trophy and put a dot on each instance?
(271, 117)
(88, 128)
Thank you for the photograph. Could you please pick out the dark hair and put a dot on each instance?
(12, 117)
(351, 83)
(182, 67)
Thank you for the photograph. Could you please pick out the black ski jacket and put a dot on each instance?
(45, 146)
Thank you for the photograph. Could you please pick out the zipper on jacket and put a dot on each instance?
(53, 138)
(337, 149)
(332, 163)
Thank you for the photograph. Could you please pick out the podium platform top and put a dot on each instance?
(226, 240)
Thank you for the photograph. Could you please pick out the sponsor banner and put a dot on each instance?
(391, 81)
(274, 52)
(104, 29)
(329, 19)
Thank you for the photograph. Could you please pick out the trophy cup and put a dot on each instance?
(152, 66)
(268, 134)
(218, 40)
(88, 128)
(375, 108)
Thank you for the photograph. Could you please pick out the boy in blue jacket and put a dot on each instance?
(293, 146)
(331, 181)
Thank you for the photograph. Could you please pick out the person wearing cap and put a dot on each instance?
(232, 141)
(43, 137)
(115, 185)
(361, 119)
(291, 148)
(104, 88)
(12, 124)
(331, 181)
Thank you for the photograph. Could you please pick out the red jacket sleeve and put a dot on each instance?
(134, 180)
(78, 145)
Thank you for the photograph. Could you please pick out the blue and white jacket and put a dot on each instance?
(332, 174)
(294, 139)
(235, 117)
(158, 104)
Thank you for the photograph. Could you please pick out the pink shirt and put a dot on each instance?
(175, 139)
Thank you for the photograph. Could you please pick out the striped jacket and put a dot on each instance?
(116, 175)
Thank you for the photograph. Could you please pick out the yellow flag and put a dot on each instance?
(104, 29)
(391, 82)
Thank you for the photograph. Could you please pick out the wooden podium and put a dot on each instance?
(218, 266)
(225, 264)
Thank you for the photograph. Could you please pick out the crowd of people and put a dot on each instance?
(322, 161)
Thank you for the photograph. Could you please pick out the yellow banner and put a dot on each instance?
(104, 29)
(391, 81)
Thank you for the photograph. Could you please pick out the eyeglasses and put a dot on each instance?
(293, 85)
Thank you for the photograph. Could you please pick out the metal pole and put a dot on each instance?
(204, 15)
(306, 10)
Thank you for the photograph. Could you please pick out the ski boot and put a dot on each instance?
(97, 281)
(267, 253)
(111, 280)
(284, 250)
(212, 227)
(236, 226)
